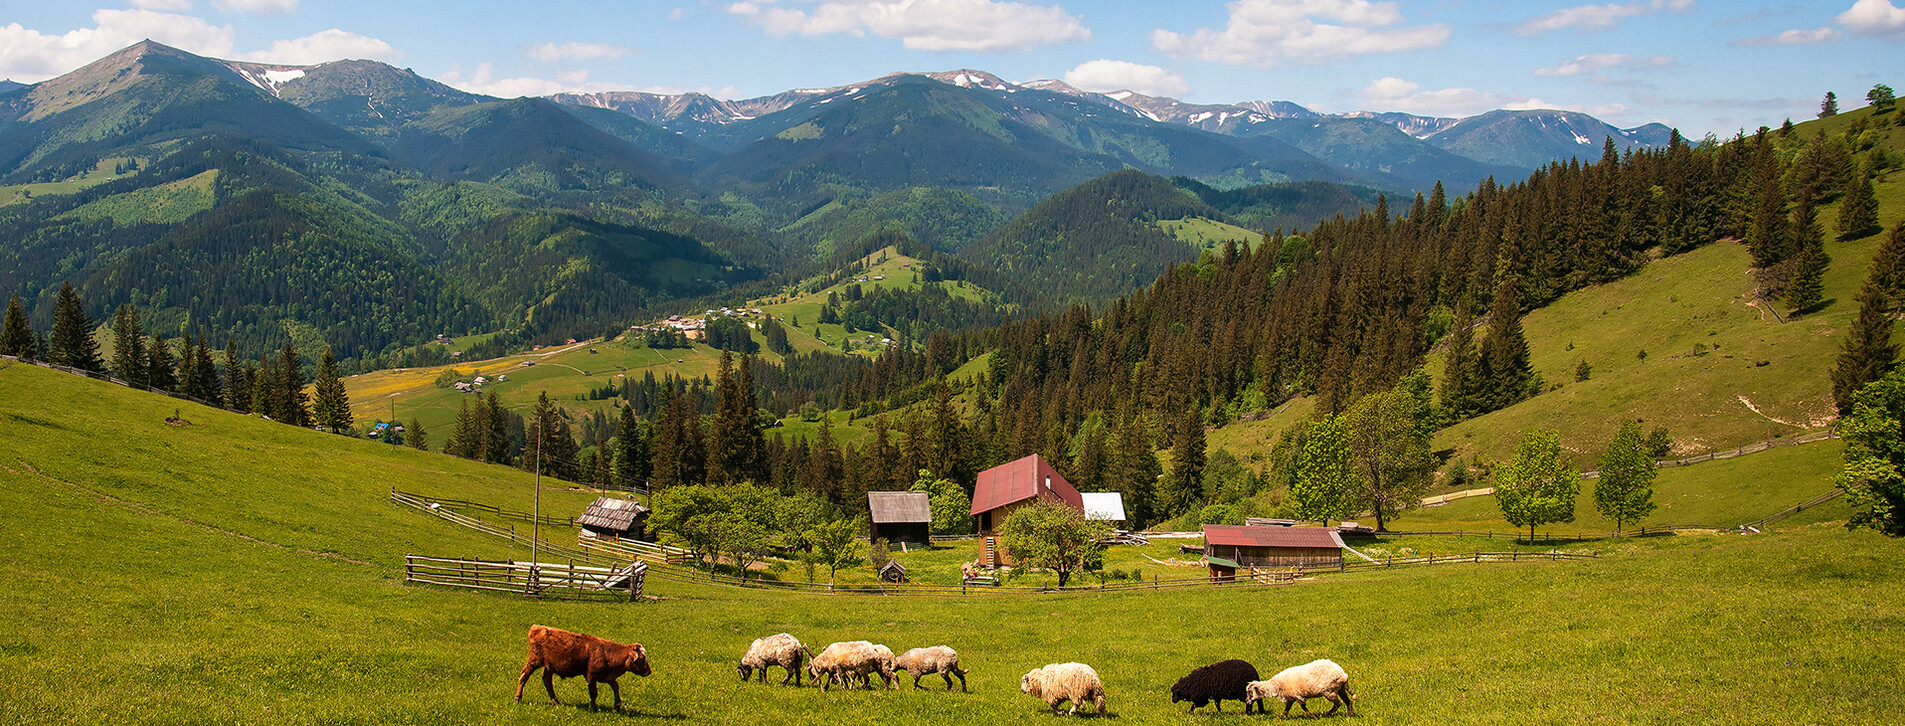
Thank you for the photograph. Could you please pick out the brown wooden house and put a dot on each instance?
(616, 518)
(1229, 548)
(1015, 484)
(900, 516)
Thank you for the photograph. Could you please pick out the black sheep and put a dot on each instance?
(1214, 682)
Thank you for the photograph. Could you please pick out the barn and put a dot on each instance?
(617, 518)
(1014, 484)
(1228, 548)
(900, 516)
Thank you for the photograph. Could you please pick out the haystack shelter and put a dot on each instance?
(618, 518)
(1015, 484)
(900, 516)
(1229, 548)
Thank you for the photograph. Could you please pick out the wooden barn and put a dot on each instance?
(900, 516)
(1014, 484)
(616, 518)
(1229, 548)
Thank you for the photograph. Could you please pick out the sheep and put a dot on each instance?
(1060, 682)
(774, 650)
(1214, 682)
(1298, 684)
(850, 660)
(926, 661)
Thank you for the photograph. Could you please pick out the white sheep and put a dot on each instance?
(849, 661)
(774, 650)
(1297, 684)
(926, 661)
(1060, 682)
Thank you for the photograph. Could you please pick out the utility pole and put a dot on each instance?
(535, 526)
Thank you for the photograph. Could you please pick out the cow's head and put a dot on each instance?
(637, 660)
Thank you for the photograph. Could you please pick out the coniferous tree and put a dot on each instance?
(631, 449)
(129, 358)
(463, 433)
(668, 440)
(1806, 288)
(825, 467)
(1185, 483)
(1506, 370)
(1888, 268)
(945, 452)
(415, 437)
(555, 452)
(204, 382)
(1769, 238)
(72, 342)
(264, 387)
(237, 383)
(1867, 353)
(160, 366)
(1830, 106)
(331, 407)
(16, 337)
(293, 403)
(498, 430)
(1859, 209)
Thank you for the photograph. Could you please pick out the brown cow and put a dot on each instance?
(566, 654)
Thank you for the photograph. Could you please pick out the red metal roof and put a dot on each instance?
(1224, 534)
(1017, 481)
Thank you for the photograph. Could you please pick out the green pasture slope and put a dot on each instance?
(237, 571)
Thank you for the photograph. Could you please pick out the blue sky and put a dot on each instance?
(1703, 66)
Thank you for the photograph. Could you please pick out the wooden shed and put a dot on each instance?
(1229, 548)
(900, 516)
(617, 518)
(1014, 484)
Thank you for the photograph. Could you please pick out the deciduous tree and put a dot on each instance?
(1052, 536)
(1325, 475)
(1872, 475)
(1625, 491)
(1538, 486)
(1390, 453)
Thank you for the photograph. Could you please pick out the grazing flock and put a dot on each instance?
(852, 664)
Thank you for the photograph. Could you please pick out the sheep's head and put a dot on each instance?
(636, 661)
(1029, 683)
(744, 670)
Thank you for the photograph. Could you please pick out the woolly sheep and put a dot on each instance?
(1215, 682)
(774, 650)
(848, 661)
(1060, 682)
(1297, 684)
(927, 661)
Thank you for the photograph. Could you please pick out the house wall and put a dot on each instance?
(1278, 556)
(918, 532)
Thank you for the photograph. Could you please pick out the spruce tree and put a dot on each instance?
(631, 449)
(1830, 106)
(264, 388)
(415, 437)
(237, 385)
(1888, 268)
(1859, 210)
(204, 384)
(497, 431)
(1507, 374)
(160, 366)
(73, 343)
(293, 403)
(1867, 353)
(1806, 287)
(16, 337)
(1768, 238)
(1624, 492)
(129, 359)
(331, 407)
(1138, 462)
(463, 436)
(1185, 484)
(555, 448)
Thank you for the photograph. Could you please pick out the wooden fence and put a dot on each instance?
(498, 512)
(563, 581)
(1794, 509)
(505, 532)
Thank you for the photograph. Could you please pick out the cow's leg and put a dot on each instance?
(615, 687)
(592, 706)
(528, 668)
(549, 684)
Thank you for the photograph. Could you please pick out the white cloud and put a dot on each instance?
(1594, 63)
(1264, 32)
(1597, 17)
(1396, 94)
(1794, 37)
(1874, 17)
(262, 7)
(484, 81)
(169, 5)
(551, 52)
(326, 45)
(28, 55)
(939, 25)
(1116, 75)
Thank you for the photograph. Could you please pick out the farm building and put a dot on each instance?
(900, 516)
(1107, 506)
(1229, 548)
(617, 518)
(1014, 484)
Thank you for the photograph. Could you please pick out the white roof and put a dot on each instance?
(1104, 505)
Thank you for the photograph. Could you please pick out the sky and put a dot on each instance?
(1699, 65)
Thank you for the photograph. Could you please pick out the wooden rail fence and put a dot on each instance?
(564, 581)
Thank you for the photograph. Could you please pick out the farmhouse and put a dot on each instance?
(1014, 484)
(614, 518)
(900, 516)
(1228, 548)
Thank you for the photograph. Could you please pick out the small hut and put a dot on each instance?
(615, 518)
(893, 572)
(900, 516)
(1228, 548)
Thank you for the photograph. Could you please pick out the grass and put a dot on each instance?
(257, 581)
(1209, 234)
(101, 173)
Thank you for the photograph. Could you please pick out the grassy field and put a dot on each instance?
(235, 570)
(100, 173)
(1209, 234)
